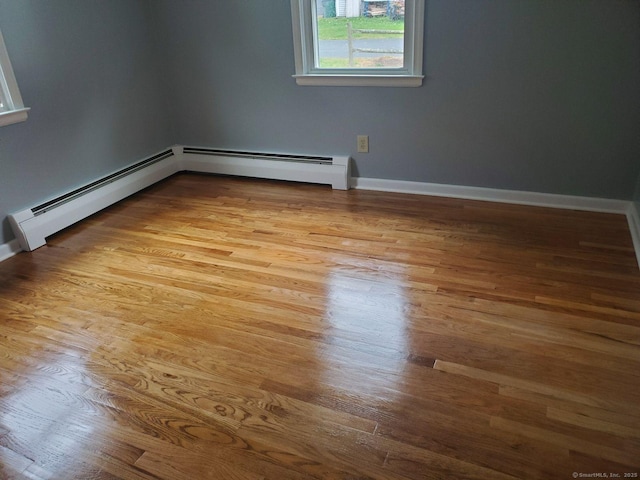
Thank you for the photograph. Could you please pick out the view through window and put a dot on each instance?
(359, 34)
(12, 109)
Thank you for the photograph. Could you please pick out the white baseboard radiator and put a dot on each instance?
(334, 171)
(31, 226)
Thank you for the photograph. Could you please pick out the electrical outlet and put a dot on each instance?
(363, 143)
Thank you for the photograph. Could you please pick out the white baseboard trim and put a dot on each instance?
(9, 249)
(633, 217)
(570, 202)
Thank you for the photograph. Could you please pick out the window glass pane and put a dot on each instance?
(3, 103)
(359, 33)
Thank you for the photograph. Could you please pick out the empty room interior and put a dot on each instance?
(248, 239)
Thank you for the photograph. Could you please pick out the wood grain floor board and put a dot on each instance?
(221, 328)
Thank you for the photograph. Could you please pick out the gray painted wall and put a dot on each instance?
(87, 68)
(537, 95)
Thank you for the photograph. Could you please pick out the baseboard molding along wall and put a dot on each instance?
(493, 195)
(9, 249)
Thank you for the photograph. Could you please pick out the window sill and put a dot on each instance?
(13, 116)
(360, 80)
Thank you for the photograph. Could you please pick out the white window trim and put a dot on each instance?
(305, 51)
(9, 92)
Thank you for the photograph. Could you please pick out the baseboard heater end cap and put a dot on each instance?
(345, 181)
(27, 243)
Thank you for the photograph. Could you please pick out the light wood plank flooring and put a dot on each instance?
(219, 328)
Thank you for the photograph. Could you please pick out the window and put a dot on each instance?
(12, 109)
(358, 42)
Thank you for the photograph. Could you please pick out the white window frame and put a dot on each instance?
(13, 110)
(306, 52)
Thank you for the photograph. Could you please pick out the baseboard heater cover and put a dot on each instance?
(334, 171)
(31, 226)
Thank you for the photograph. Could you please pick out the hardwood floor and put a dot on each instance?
(240, 329)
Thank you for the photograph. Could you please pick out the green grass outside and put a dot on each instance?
(336, 28)
(334, 63)
(382, 62)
